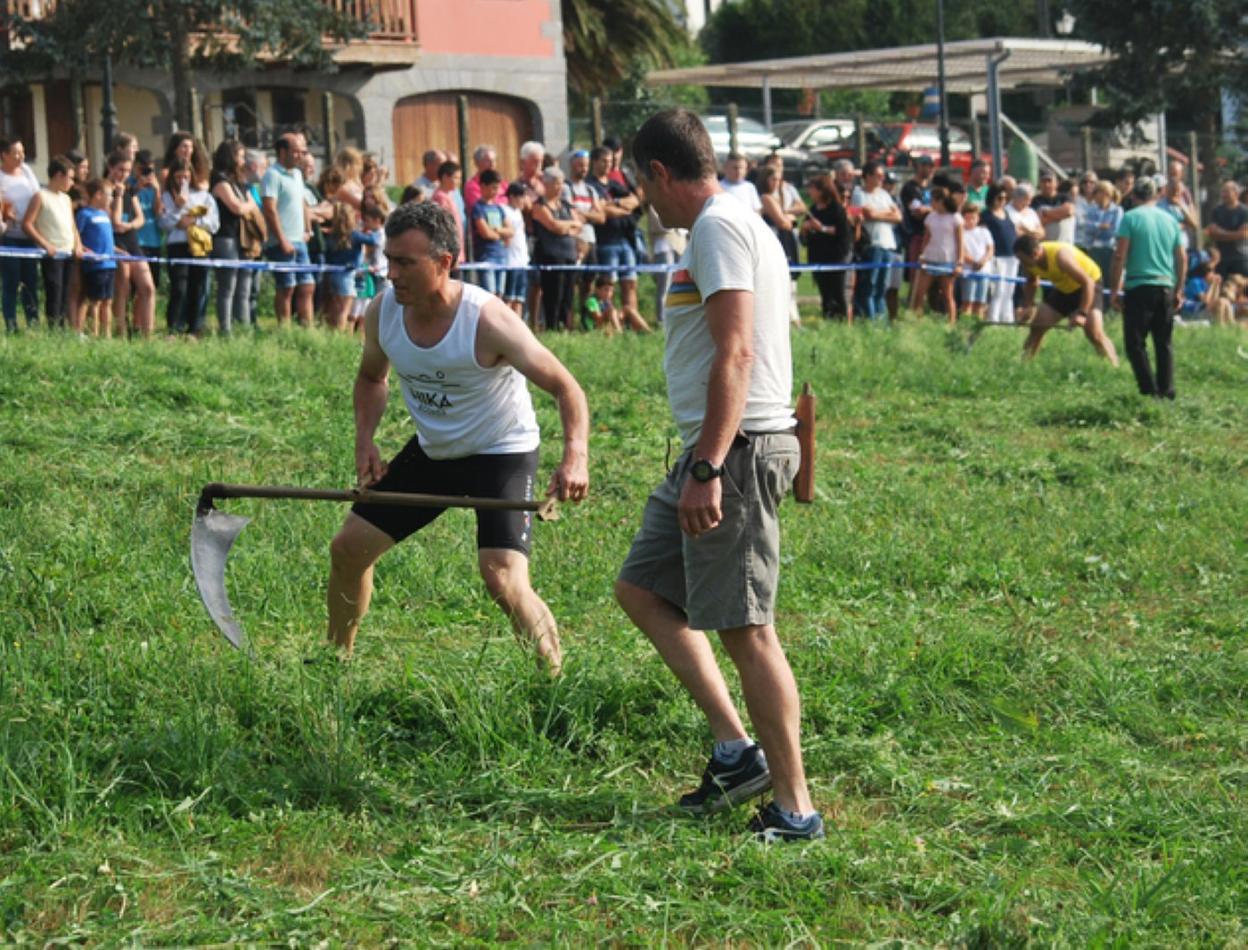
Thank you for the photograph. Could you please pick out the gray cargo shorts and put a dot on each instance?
(727, 577)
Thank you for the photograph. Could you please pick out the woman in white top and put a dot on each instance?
(941, 249)
(18, 185)
(49, 222)
(184, 204)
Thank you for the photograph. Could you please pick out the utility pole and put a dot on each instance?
(940, 80)
(108, 111)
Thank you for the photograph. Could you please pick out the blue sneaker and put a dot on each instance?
(771, 824)
(726, 785)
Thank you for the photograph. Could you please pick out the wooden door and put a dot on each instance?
(429, 121)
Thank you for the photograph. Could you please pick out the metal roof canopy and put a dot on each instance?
(902, 68)
(971, 66)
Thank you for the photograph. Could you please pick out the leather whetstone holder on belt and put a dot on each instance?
(804, 483)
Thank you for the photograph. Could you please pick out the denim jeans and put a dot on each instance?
(873, 283)
(20, 275)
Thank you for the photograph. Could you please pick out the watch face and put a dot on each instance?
(703, 471)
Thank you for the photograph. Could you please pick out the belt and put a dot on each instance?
(792, 430)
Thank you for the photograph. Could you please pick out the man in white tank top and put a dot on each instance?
(462, 358)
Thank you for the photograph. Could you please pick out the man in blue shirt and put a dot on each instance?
(1149, 270)
(285, 213)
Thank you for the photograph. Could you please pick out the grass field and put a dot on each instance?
(1017, 614)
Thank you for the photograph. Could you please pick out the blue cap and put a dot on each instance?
(580, 153)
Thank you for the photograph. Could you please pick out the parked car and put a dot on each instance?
(816, 135)
(894, 143)
(756, 143)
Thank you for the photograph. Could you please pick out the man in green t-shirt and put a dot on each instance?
(1150, 257)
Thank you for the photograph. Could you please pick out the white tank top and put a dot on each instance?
(460, 407)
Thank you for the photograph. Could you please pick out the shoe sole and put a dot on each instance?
(735, 796)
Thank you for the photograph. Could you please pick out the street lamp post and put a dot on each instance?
(108, 112)
(940, 81)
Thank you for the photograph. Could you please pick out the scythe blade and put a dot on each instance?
(212, 535)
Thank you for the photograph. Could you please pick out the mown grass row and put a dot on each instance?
(1016, 613)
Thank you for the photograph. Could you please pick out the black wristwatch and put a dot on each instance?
(704, 471)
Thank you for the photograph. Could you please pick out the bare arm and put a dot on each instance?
(1180, 272)
(774, 213)
(372, 391)
(1116, 268)
(503, 337)
(29, 226)
(225, 194)
(275, 225)
(730, 320)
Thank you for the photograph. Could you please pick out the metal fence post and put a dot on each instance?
(732, 127)
(595, 106)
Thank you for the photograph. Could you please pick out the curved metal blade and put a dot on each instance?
(212, 536)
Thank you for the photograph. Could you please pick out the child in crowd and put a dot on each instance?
(977, 254)
(942, 250)
(412, 194)
(49, 222)
(490, 233)
(95, 229)
(344, 247)
(600, 312)
(516, 283)
(370, 278)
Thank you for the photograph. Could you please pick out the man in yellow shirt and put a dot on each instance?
(1075, 293)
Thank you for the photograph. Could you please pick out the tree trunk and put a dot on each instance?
(180, 67)
(1207, 133)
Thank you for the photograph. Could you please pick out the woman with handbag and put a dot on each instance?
(237, 212)
(188, 215)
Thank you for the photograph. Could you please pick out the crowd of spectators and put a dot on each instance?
(951, 242)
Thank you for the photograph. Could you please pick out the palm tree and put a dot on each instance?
(603, 38)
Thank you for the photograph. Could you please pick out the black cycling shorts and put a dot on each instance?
(483, 476)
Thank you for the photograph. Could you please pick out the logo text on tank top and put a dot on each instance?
(430, 392)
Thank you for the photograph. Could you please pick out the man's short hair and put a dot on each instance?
(1023, 190)
(842, 165)
(431, 156)
(870, 168)
(1048, 174)
(599, 151)
(412, 193)
(436, 222)
(286, 141)
(93, 186)
(490, 177)
(677, 139)
(447, 168)
(483, 151)
(736, 157)
(1145, 189)
(612, 143)
(552, 173)
(529, 149)
(1026, 246)
(978, 163)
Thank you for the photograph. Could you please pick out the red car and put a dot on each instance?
(898, 143)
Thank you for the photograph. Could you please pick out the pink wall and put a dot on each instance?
(485, 27)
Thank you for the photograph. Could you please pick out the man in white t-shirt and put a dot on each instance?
(880, 217)
(707, 555)
(734, 182)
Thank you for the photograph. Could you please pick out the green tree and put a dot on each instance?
(604, 41)
(180, 36)
(1168, 56)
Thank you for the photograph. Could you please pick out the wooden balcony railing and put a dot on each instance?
(393, 21)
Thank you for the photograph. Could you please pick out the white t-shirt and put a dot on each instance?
(942, 243)
(730, 248)
(975, 243)
(517, 249)
(744, 191)
(581, 196)
(1027, 219)
(17, 190)
(881, 233)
